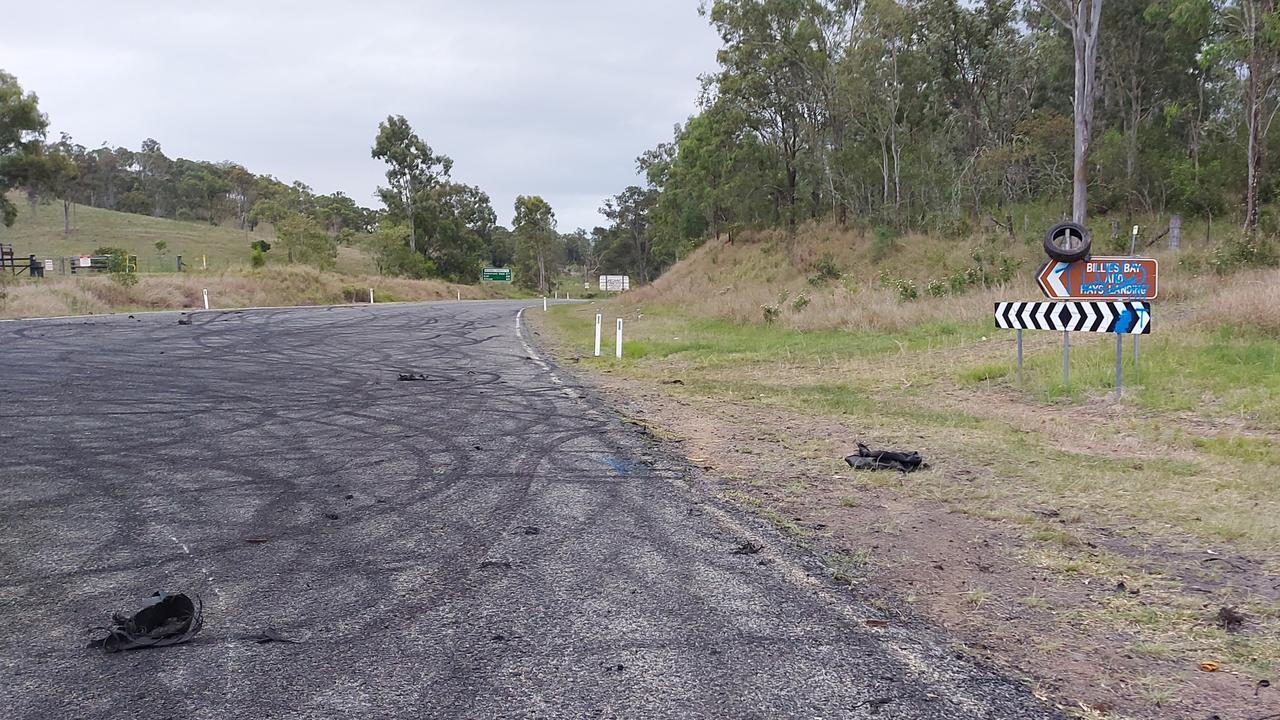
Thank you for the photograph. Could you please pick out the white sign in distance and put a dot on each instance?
(615, 283)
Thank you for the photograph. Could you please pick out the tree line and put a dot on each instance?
(308, 226)
(906, 114)
(933, 114)
(430, 225)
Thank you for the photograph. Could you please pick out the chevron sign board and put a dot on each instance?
(1124, 317)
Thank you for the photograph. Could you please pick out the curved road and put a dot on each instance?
(484, 543)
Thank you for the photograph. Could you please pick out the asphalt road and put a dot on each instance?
(487, 543)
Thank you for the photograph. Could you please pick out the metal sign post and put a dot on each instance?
(1119, 363)
(1066, 358)
(1118, 316)
(1019, 356)
(1092, 294)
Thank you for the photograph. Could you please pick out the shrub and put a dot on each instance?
(1113, 244)
(955, 228)
(406, 263)
(994, 266)
(906, 289)
(800, 303)
(257, 258)
(119, 258)
(884, 242)
(118, 265)
(771, 313)
(824, 270)
(1191, 262)
(937, 288)
(1242, 251)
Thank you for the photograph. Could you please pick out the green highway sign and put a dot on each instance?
(492, 274)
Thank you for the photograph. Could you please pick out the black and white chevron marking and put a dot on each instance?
(1126, 317)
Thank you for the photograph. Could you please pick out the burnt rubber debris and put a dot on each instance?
(1230, 619)
(868, 459)
(166, 619)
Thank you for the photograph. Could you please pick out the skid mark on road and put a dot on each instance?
(493, 545)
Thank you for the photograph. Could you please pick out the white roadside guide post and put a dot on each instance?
(370, 296)
(617, 344)
(544, 303)
(599, 318)
(459, 296)
(206, 298)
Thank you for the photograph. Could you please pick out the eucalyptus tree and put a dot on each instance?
(412, 169)
(1083, 19)
(775, 64)
(22, 127)
(629, 212)
(535, 233)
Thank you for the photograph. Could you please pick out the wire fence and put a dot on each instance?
(158, 264)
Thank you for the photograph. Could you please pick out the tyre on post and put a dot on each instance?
(1067, 242)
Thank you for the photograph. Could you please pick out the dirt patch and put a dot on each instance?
(1071, 610)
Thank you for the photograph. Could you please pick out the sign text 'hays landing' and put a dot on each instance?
(1101, 278)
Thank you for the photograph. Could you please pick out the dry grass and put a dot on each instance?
(1250, 300)
(734, 282)
(295, 285)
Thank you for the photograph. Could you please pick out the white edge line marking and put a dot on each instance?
(922, 666)
(533, 355)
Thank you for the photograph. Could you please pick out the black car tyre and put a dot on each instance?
(1067, 242)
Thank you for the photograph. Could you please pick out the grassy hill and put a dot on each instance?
(225, 272)
(828, 291)
(39, 230)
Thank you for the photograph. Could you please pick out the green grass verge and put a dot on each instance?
(666, 334)
(1220, 495)
(1216, 374)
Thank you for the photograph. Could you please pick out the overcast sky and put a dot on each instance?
(547, 97)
